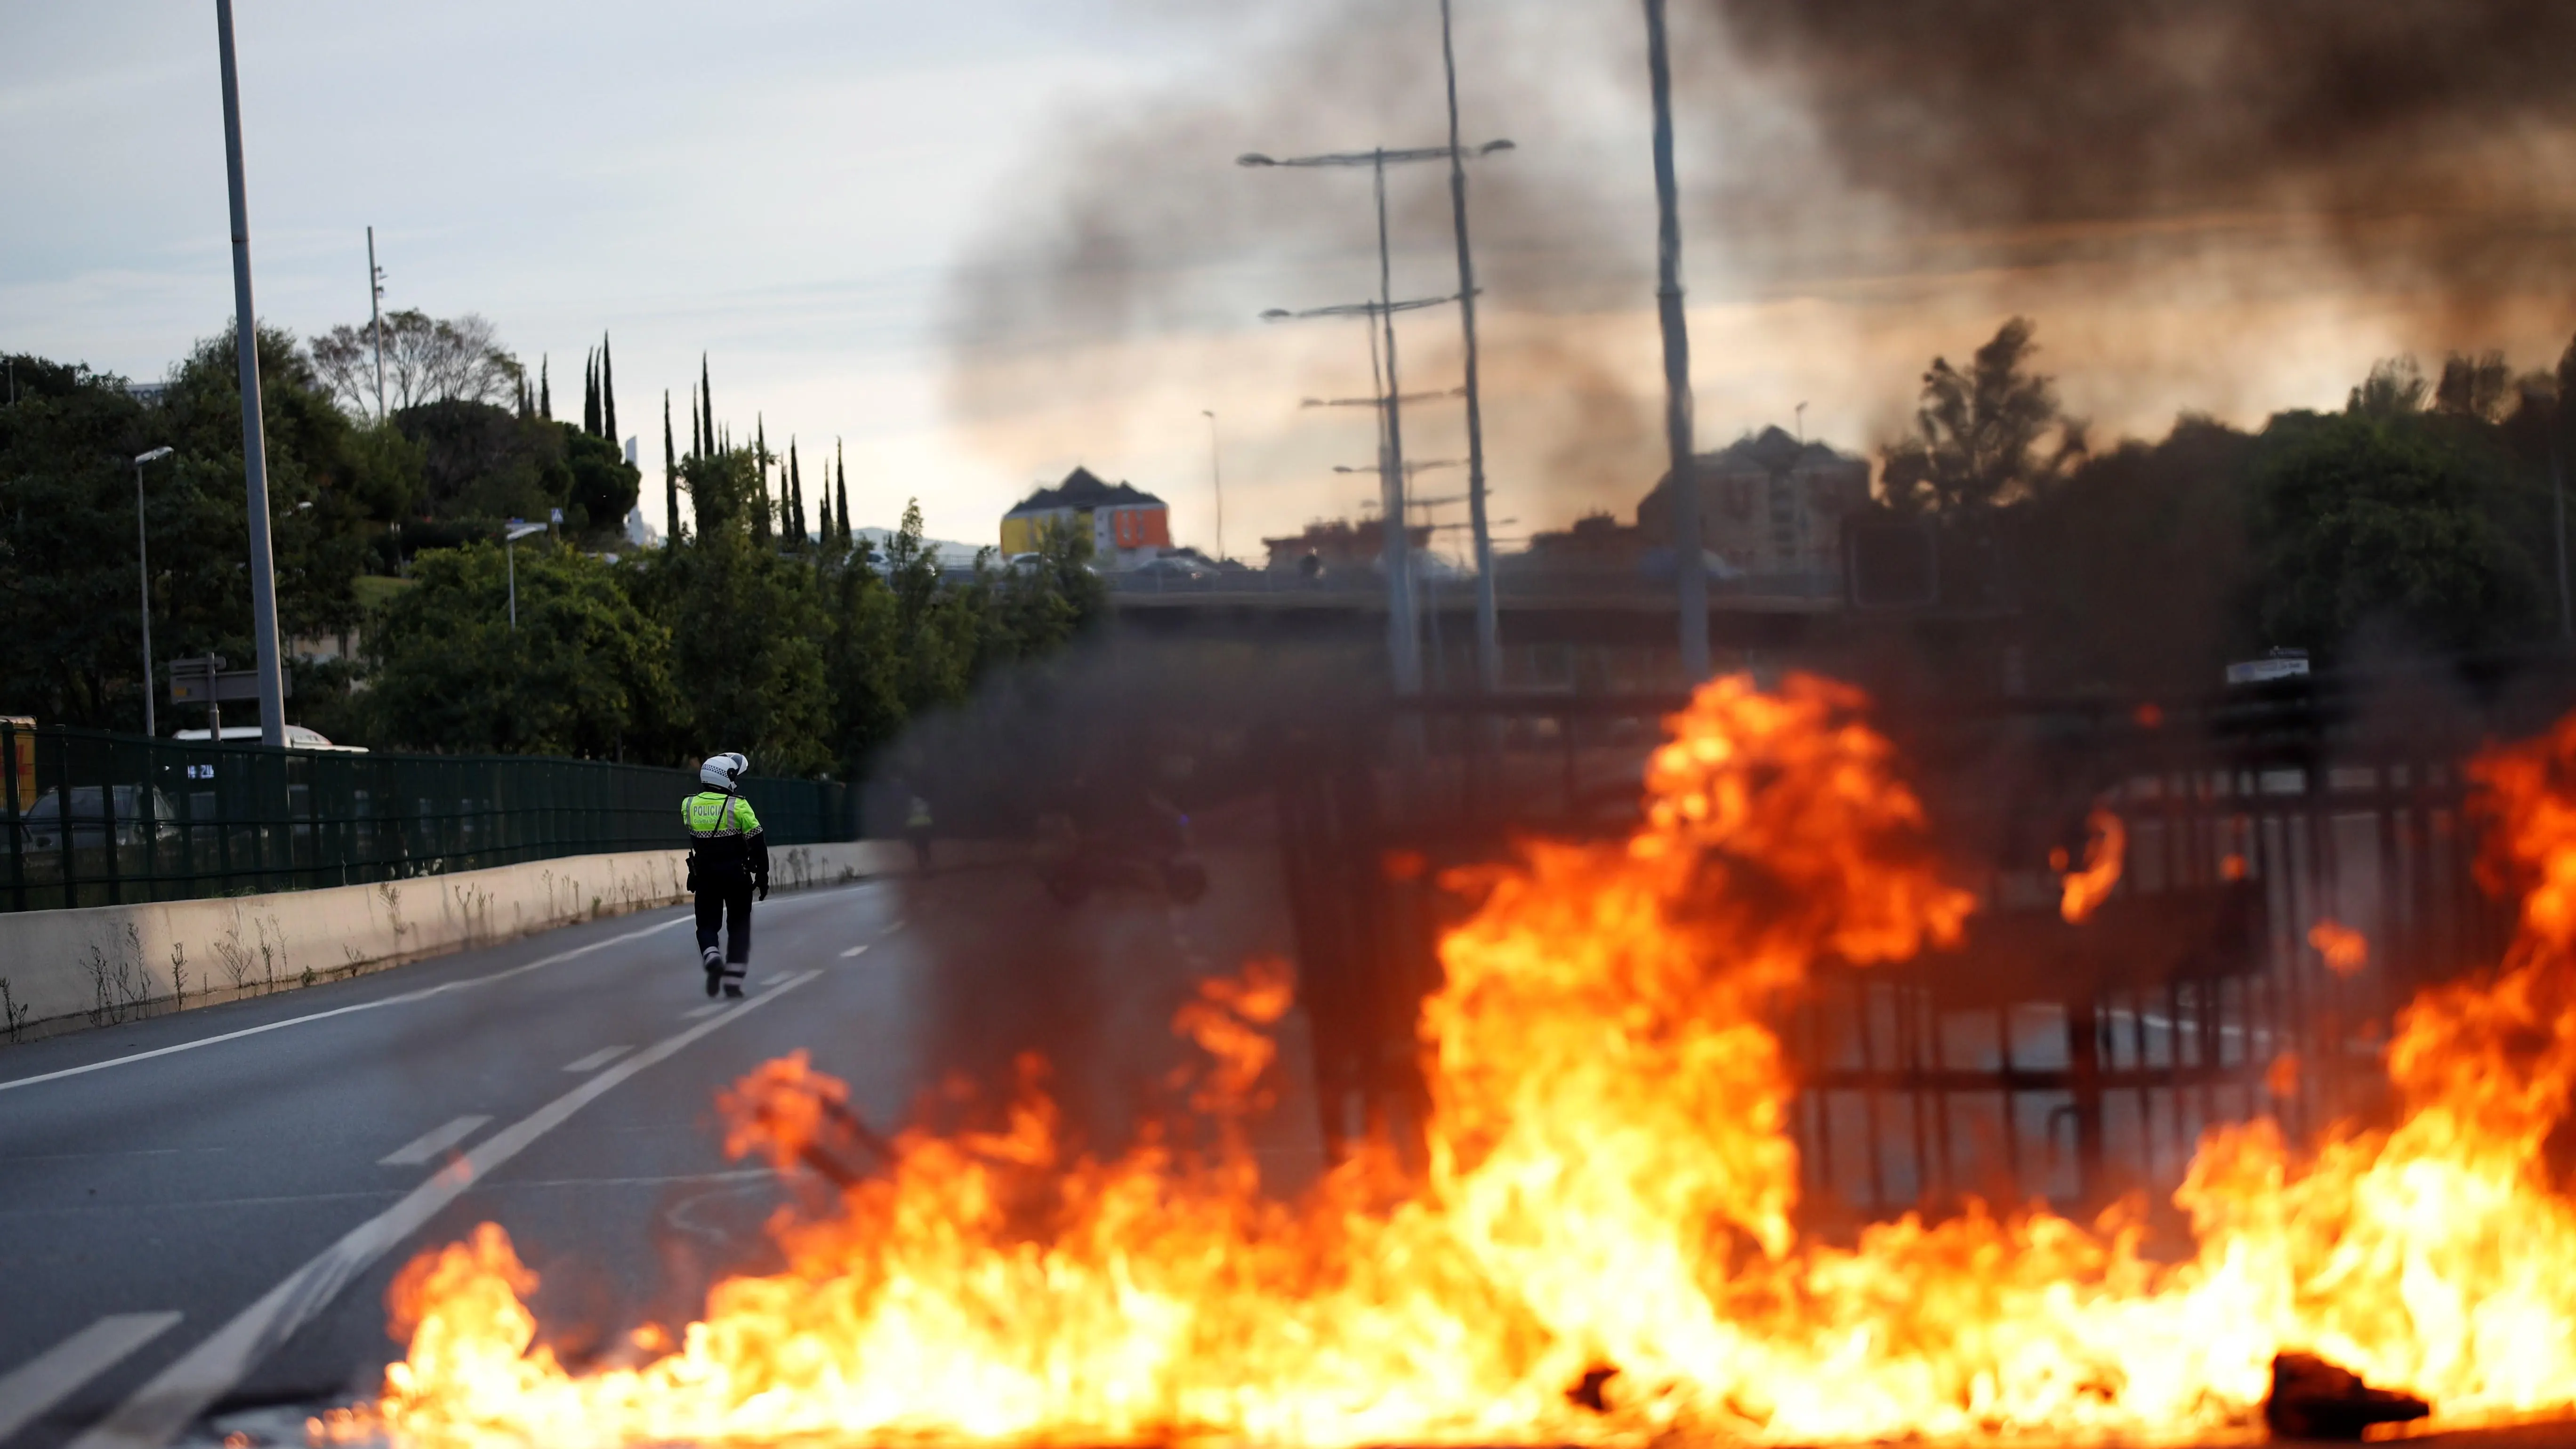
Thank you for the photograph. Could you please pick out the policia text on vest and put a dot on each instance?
(728, 864)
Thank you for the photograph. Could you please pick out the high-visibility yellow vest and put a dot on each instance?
(713, 813)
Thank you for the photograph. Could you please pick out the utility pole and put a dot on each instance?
(263, 562)
(376, 318)
(143, 567)
(1216, 480)
(1677, 383)
(1489, 647)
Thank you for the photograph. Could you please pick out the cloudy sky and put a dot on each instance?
(977, 245)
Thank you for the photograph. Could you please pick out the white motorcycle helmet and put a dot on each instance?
(723, 772)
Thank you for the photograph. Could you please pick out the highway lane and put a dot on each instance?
(201, 1182)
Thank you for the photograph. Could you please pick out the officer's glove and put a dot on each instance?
(761, 888)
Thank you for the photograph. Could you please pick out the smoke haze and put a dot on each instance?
(2220, 205)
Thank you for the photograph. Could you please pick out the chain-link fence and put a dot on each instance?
(103, 819)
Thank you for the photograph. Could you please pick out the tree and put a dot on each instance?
(2474, 387)
(67, 563)
(607, 392)
(2367, 518)
(590, 393)
(585, 673)
(604, 485)
(2395, 388)
(670, 474)
(545, 392)
(427, 360)
(1978, 433)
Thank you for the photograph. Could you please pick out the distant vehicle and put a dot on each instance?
(42, 826)
(1025, 563)
(297, 738)
(1169, 571)
(2278, 664)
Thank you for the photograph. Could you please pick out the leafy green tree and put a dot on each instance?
(584, 673)
(2372, 519)
(603, 486)
(1979, 435)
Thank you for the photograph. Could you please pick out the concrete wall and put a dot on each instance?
(62, 970)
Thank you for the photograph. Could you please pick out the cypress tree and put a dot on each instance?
(590, 393)
(545, 391)
(848, 540)
(707, 400)
(795, 497)
(697, 440)
(760, 453)
(670, 474)
(607, 393)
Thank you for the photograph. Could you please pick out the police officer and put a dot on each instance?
(728, 862)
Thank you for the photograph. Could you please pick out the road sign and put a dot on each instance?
(191, 682)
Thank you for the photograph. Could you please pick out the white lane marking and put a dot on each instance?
(701, 1012)
(167, 1405)
(56, 1374)
(860, 949)
(409, 996)
(431, 1143)
(597, 1059)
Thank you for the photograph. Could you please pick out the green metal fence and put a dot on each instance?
(104, 819)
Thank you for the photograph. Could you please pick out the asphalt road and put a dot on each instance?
(200, 1214)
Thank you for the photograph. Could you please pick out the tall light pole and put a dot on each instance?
(1404, 646)
(376, 318)
(1216, 480)
(1489, 646)
(1677, 384)
(510, 548)
(1398, 548)
(263, 561)
(143, 568)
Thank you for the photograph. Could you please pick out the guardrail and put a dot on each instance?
(93, 818)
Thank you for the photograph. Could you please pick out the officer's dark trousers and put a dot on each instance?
(726, 904)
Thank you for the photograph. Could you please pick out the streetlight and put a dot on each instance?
(263, 557)
(1403, 643)
(1407, 661)
(1216, 480)
(143, 568)
(1677, 384)
(510, 547)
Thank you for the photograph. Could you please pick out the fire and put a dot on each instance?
(2105, 852)
(2345, 950)
(1601, 1245)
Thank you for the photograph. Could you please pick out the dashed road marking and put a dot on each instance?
(597, 1059)
(35, 1386)
(860, 949)
(701, 1013)
(157, 1412)
(432, 1142)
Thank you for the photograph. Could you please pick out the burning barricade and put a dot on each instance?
(1601, 1244)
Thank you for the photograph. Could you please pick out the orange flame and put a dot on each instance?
(2104, 854)
(2345, 949)
(1601, 1248)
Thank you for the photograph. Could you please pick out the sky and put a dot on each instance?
(973, 247)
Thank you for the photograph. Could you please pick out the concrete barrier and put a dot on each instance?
(98, 965)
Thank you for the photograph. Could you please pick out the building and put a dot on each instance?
(1337, 547)
(1769, 505)
(1126, 524)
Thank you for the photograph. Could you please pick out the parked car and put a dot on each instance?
(42, 826)
(1164, 572)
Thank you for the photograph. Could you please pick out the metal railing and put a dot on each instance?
(2075, 1062)
(104, 819)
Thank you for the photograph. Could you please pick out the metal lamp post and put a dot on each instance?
(143, 569)
(1216, 481)
(1687, 548)
(1403, 642)
(263, 563)
(510, 550)
(1399, 585)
